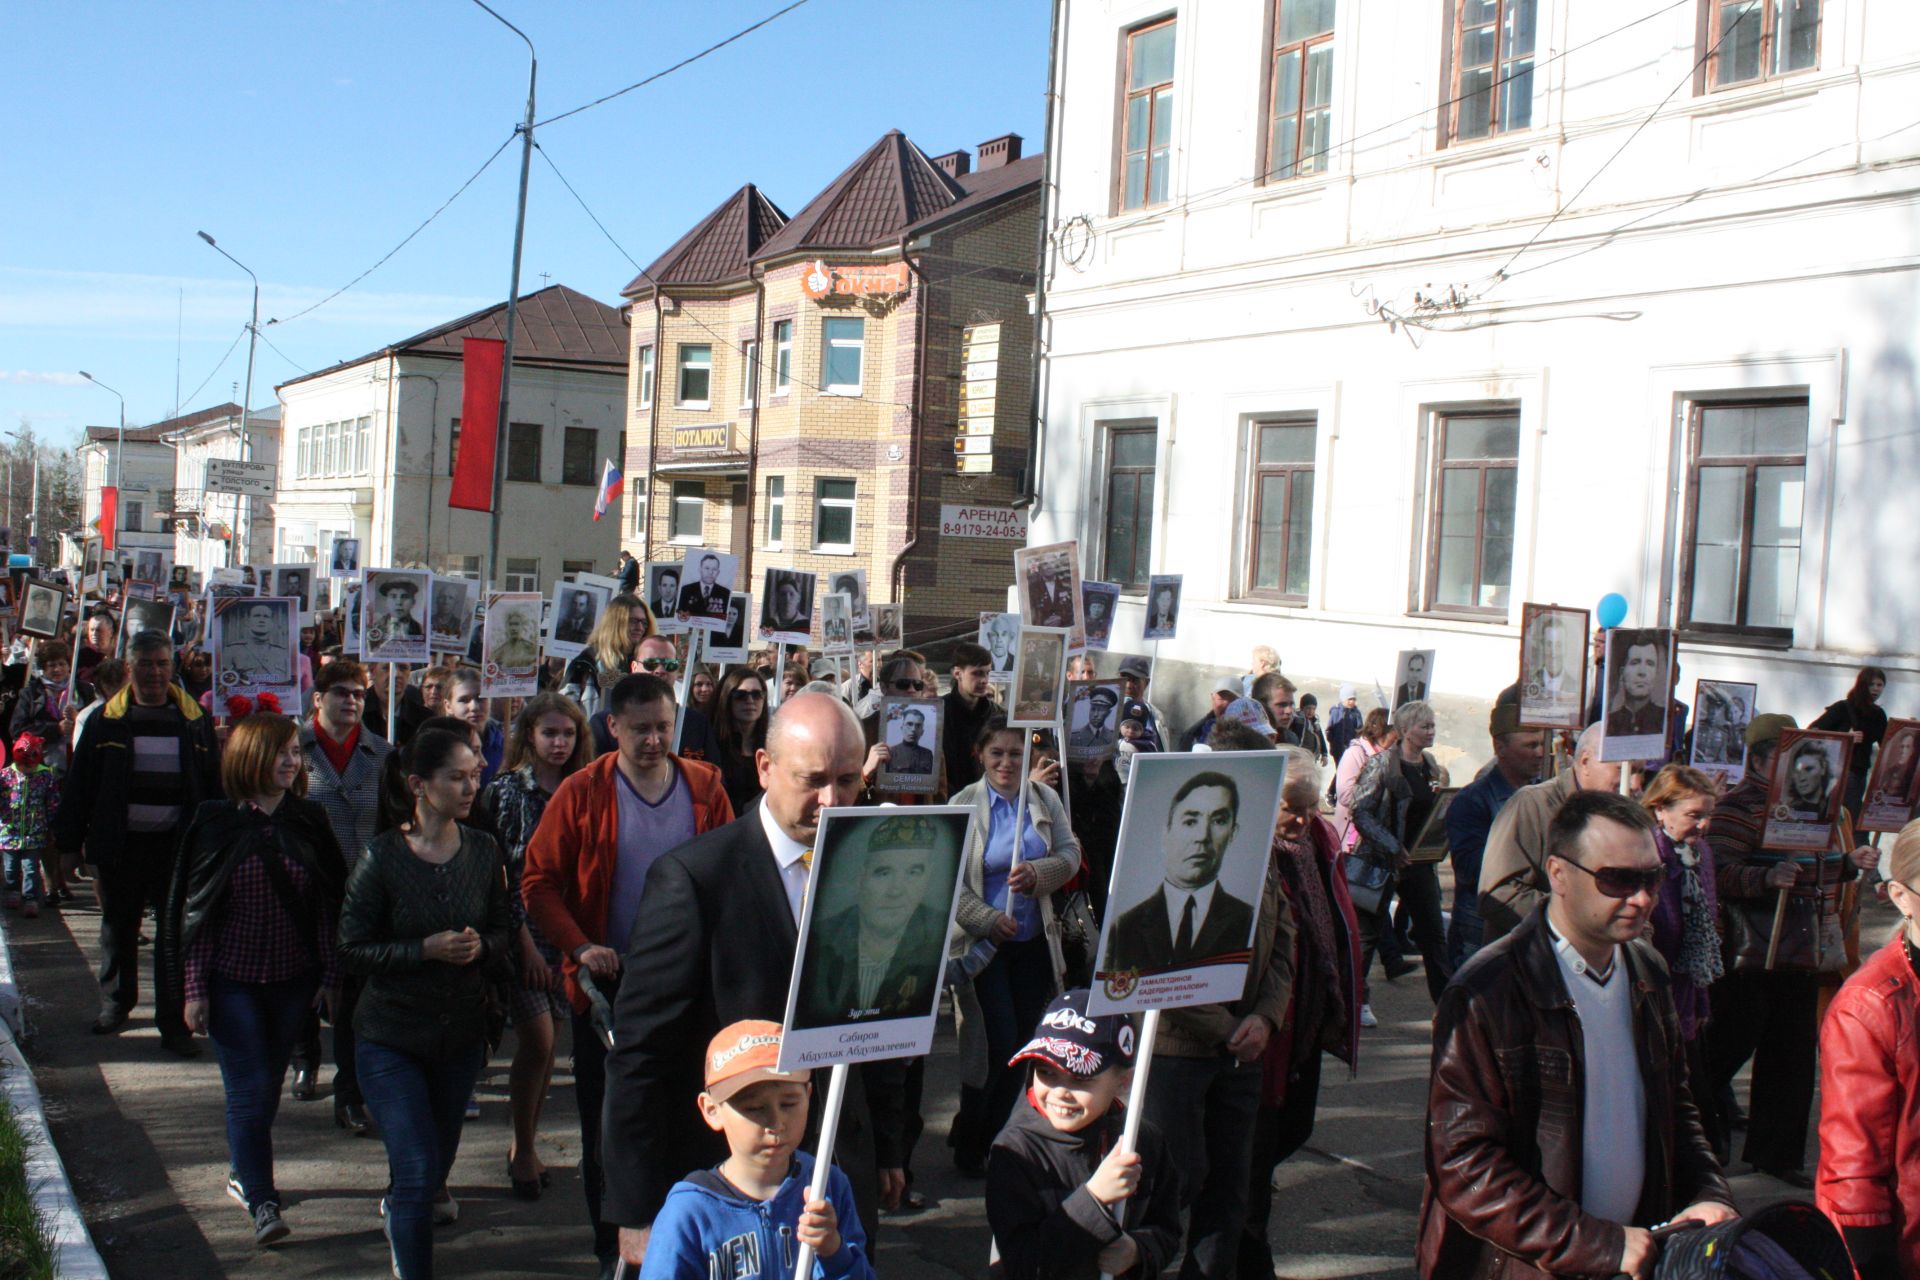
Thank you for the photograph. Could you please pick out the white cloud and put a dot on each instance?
(39, 378)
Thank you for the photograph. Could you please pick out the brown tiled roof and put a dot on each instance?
(151, 434)
(986, 188)
(720, 247)
(554, 326)
(888, 189)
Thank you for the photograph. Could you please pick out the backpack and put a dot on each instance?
(1791, 1240)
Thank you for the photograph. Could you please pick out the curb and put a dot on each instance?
(75, 1257)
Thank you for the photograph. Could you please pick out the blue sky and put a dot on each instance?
(308, 138)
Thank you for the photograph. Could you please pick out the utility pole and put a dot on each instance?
(244, 502)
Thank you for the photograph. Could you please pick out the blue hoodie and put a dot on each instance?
(708, 1230)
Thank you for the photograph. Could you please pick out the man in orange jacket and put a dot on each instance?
(587, 868)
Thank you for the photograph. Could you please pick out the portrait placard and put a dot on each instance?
(1431, 844)
(294, 581)
(150, 564)
(1805, 795)
(179, 578)
(1093, 719)
(1639, 685)
(889, 624)
(1893, 789)
(1189, 871)
(663, 596)
(577, 606)
(450, 613)
(392, 604)
(1412, 676)
(350, 618)
(254, 644)
(141, 591)
(137, 616)
(1000, 637)
(476, 651)
(343, 558)
(730, 643)
(836, 624)
(873, 934)
(1049, 579)
(1163, 606)
(1039, 670)
(707, 581)
(852, 583)
(510, 642)
(1722, 709)
(911, 729)
(1099, 601)
(42, 605)
(786, 606)
(1553, 667)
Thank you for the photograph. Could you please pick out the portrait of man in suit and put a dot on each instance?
(666, 589)
(1413, 680)
(1163, 607)
(1050, 590)
(576, 620)
(1189, 918)
(997, 633)
(707, 596)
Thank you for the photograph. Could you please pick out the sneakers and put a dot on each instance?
(473, 1106)
(236, 1192)
(1366, 1016)
(268, 1226)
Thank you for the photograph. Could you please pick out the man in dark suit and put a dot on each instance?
(576, 624)
(1414, 687)
(712, 944)
(705, 598)
(1189, 919)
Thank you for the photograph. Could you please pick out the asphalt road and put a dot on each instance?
(142, 1136)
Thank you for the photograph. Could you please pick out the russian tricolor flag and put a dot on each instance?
(611, 482)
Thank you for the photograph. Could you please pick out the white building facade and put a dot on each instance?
(1377, 320)
(145, 478)
(205, 522)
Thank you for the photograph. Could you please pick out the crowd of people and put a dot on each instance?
(418, 868)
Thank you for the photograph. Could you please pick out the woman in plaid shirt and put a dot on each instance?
(249, 934)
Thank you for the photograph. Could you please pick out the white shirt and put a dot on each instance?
(787, 852)
(1177, 905)
(1613, 1130)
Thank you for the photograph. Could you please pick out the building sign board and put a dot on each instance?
(231, 475)
(1002, 524)
(713, 437)
(976, 464)
(885, 280)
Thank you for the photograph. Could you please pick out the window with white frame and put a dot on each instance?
(844, 354)
(644, 389)
(522, 574)
(776, 510)
(689, 515)
(696, 375)
(1128, 547)
(749, 372)
(640, 515)
(782, 356)
(362, 445)
(833, 514)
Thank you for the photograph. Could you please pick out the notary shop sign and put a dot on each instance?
(1001, 524)
(714, 437)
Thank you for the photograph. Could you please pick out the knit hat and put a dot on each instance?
(745, 1054)
(1766, 729)
(1346, 691)
(1077, 1044)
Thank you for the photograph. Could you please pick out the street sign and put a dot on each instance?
(230, 475)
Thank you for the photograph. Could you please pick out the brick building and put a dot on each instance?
(796, 385)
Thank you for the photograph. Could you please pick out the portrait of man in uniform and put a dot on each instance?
(786, 607)
(393, 627)
(577, 616)
(1092, 728)
(516, 646)
(41, 606)
(1097, 603)
(1636, 676)
(256, 642)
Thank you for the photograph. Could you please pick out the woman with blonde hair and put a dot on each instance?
(616, 637)
(1868, 1179)
(1686, 915)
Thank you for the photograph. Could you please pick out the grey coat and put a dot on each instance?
(1381, 798)
(351, 799)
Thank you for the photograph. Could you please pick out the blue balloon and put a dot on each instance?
(1612, 610)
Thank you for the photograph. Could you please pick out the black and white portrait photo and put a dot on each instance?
(730, 643)
(1553, 667)
(137, 616)
(295, 581)
(41, 606)
(1412, 676)
(393, 607)
(853, 584)
(351, 618)
(910, 727)
(510, 642)
(1039, 670)
(1049, 579)
(1000, 636)
(1638, 683)
(1893, 789)
(1189, 869)
(1722, 709)
(786, 606)
(836, 623)
(663, 595)
(1098, 602)
(1804, 797)
(706, 587)
(450, 613)
(343, 558)
(150, 565)
(887, 624)
(1093, 719)
(180, 578)
(254, 644)
(576, 608)
(1163, 607)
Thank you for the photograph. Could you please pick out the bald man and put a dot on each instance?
(713, 944)
(1513, 871)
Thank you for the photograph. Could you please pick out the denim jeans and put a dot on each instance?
(254, 1025)
(23, 873)
(1206, 1109)
(1278, 1132)
(419, 1104)
(1014, 990)
(590, 1091)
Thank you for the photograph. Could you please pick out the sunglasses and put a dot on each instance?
(1623, 882)
(659, 664)
(910, 686)
(750, 693)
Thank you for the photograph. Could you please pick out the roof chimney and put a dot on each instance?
(1000, 151)
(954, 163)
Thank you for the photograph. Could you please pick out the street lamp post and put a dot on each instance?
(244, 502)
(119, 456)
(513, 303)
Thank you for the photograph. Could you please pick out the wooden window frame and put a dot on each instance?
(1690, 525)
(1121, 98)
(1446, 127)
(1264, 161)
(539, 449)
(1707, 64)
(1437, 468)
(1258, 472)
(1142, 564)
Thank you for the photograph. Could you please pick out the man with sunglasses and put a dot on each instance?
(1561, 1126)
(656, 656)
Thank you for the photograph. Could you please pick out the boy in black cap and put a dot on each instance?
(1062, 1199)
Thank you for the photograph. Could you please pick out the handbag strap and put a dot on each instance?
(296, 905)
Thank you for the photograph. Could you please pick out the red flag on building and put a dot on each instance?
(479, 424)
(109, 516)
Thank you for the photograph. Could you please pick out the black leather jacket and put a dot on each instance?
(221, 833)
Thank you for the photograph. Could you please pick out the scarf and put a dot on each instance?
(1317, 984)
(1699, 958)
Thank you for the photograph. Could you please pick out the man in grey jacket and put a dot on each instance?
(1513, 870)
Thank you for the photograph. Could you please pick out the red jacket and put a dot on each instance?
(568, 879)
(1869, 1173)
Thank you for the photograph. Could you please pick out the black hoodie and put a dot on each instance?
(1045, 1224)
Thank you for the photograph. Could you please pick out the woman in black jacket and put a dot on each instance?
(1859, 713)
(248, 933)
(427, 922)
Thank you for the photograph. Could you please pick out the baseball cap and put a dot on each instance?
(1137, 667)
(1767, 728)
(1251, 714)
(744, 1054)
(1229, 685)
(1077, 1044)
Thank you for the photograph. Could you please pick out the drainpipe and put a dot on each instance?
(897, 574)
(1030, 475)
(753, 417)
(653, 431)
